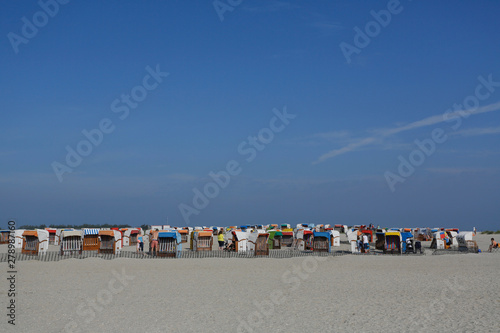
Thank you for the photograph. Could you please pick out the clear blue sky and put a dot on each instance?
(354, 120)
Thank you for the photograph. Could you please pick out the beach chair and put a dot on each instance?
(35, 242)
(335, 237)
(90, 240)
(30, 244)
(275, 239)
(134, 235)
(71, 242)
(184, 235)
(322, 241)
(392, 242)
(438, 240)
(258, 242)
(240, 241)
(352, 237)
(287, 238)
(109, 241)
(261, 248)
(308, 240)
(304, 238)
(465, 241)
(129, 236)
(52, 236)
(203, 241)
(407, 242)
(169, 244)
(380, 240)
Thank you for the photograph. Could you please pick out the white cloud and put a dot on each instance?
(345, 149)
(382, 133)
(479, 131)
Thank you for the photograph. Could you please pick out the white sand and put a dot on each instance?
(353, 293)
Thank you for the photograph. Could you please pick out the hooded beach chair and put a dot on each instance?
(52, 236)
(287, 237)
(169, 244)
(466, 242)
(304, 240)
(203, 240)
(392, 242)
(184, 235)
(352, 237)
(380, 240)
(275, 239)
(90, 239)
(438, 240)
(258, 242)
(240, 240)
(335, 237)
(71, 242)
(130, 236)
(322, 241)
(35, 242)
(109, 241)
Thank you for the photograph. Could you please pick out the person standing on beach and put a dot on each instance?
(140, 244)
(220, 238)
(154, 241)
(359, 244)
(366, 244)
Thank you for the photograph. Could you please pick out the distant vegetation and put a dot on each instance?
(489, 232)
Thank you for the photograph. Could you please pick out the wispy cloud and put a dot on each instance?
(479, 131)
(345, 149)
(385, 132)
(320, 139)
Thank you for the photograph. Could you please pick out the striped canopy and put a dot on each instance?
(90, 231)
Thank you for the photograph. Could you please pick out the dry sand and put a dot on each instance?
(352, 293)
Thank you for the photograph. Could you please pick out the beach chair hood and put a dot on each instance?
(71, 233)
(90, 231)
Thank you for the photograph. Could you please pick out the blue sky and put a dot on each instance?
(351, 121)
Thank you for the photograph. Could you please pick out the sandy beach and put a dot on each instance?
(457, 292)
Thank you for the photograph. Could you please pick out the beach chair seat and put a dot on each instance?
(30, 245)
(107, 245)
(167, 247)
(71, 245)
(472, 246)
(261, 248)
